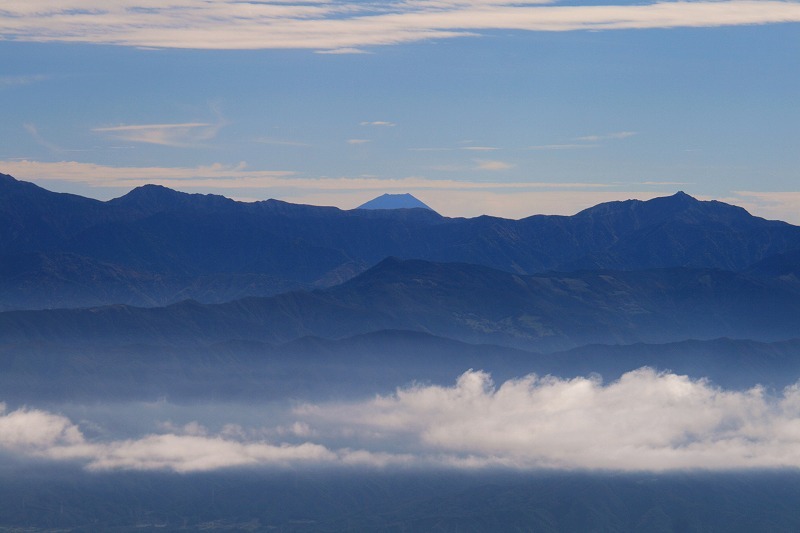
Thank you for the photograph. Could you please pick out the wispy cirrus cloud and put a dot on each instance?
(384, 123)
(644, 421)
(586, 141)
(565, 146)
(211, 176)
(18, 81)
(493, 165)
(480, 148)
(185, 135)
(461, 148)
(606, 137)
(349, 26)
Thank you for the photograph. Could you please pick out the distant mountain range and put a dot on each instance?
(156, 246)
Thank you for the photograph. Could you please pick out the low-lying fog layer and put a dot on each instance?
(645, 421)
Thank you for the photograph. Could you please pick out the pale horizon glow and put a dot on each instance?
(451, 198)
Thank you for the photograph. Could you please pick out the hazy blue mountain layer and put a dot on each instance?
(359, 366)
(471, 303)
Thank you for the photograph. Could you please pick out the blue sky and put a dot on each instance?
(474, 106)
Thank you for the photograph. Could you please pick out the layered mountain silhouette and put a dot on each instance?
(156, 246)
(471, 303)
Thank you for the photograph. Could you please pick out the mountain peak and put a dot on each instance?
(394, 201)
(152, 191)
(683, 197)
(154, 198)
(678, 202)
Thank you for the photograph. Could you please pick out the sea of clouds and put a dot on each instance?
(644, 421)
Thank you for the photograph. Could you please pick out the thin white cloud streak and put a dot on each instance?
(645, 421)
(571, 146)
(672, 183)
(348, 27)
(384, 123)
(493, 165)
(357, 141)
(190, 134)
(587, 141)
(607, 137)
(213, 176)
(342, 51)
(239, 176)
(18, 81)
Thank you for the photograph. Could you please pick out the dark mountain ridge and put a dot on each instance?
(159, 246)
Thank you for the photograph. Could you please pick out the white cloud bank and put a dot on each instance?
(645, 421)
(348, 26)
